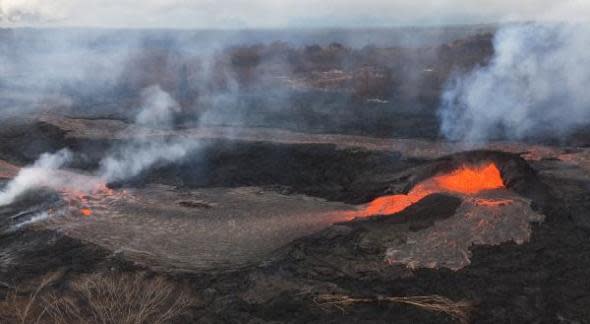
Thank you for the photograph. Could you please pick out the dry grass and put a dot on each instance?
(20, 305)
(461, 310)
(104, 299)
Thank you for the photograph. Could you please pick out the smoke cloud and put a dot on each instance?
(126, 161)
(61, 69)
(132, 158)
(536, 85)
(43, 173)
(158, 108)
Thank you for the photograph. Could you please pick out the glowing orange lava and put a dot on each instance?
(469, 181)
(84, 201)
(465, 180)
(387, 205)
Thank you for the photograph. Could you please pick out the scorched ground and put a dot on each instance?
(278, 226)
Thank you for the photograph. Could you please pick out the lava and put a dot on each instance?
(84, 201)
(467, 180)
(392, 204)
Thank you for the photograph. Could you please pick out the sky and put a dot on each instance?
(222, 14)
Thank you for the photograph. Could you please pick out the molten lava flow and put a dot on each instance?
(471, 180)
(465, 180)
(388, 205)
(84, 202)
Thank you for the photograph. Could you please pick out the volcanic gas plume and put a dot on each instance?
(467, 180)
(534, 87)
(125, 161)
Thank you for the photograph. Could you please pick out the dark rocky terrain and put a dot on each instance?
(540, 281)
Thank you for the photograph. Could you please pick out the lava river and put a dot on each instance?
(467, 180)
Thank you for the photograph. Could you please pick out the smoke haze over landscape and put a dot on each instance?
(41, 173)
(534, 86)
(124, 161)
(130, 159)
(470, 83)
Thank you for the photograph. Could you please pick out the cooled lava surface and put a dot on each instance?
(488, 215)
(256, 234)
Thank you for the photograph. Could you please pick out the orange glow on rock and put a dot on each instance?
(471, 180)
(493, 202)
(465, 180)
(86, 212)
(387, 205)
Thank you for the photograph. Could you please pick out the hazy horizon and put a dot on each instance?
(266, 14)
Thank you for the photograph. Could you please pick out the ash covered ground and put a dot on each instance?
(282, 182)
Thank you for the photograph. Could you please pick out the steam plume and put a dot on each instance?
(132, 158)
(41, 174)
(125, 162)
(535, 85)
(158, 108)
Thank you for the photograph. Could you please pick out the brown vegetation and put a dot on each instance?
(461, 310)
(105, 299)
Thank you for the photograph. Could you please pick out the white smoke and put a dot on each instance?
(127, 160)
(41, 216)
(536, 85)
(41, 174)
(158, 108)
(132, 158)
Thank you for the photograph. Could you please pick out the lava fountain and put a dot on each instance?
(467, 180)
